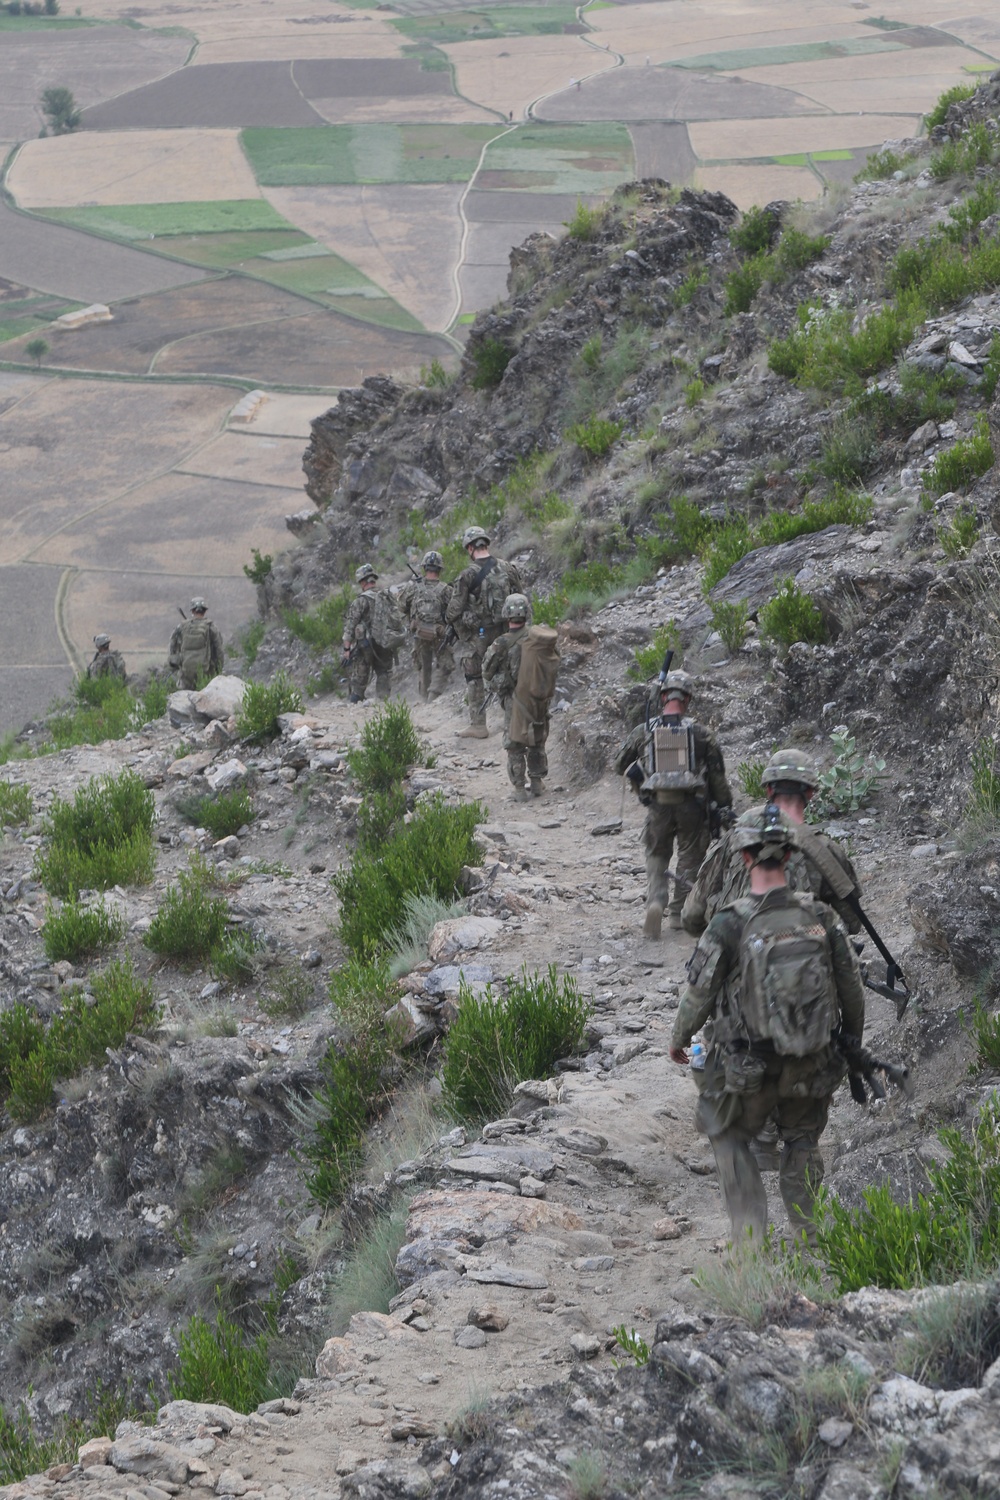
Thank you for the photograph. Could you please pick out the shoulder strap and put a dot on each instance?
(819, 853)
(488, 565)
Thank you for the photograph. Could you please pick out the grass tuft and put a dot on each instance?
(263, 702)
(78, 932)
(104, 837)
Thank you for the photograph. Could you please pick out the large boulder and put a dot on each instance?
(219, 699)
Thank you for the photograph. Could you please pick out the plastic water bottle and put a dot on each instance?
(697, 1054)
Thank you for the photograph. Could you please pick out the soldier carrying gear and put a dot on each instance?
(520, 668)
(106, 663)
(676, 767)
(777, 978)
(196, 648)
(476, 612)
(373, 634)
(423, 604)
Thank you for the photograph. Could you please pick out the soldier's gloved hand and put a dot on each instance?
(677, 1055)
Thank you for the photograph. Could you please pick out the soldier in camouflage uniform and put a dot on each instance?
(746, 1074)
(361, 656)
(475, 611)
(500, 668)
(106, 663)
(423, 606)
(675, 816)
(196, 648)
(818, 864)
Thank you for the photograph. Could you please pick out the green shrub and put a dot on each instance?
(590, 353)
(754, 233)
(263, 702)
(495, 1043)
(105, 708)
(289, 993)
(189, 921)
(730, 620)
(649, 659)
(734, 538)
(549, 609)
(959, 535)
(743, 284)
(490, 358)
(422, 857)
(882, 164)
(221, 814)
(389, 748)
(596, 436)
(100, 839)
(951, 96)
(983, 806)
(694, 392)
(435, 375)
(976, 147)
(750, 775)
(846, 785)
(963, 463)
(925, 397)
(796, 250)
(991, 370)
(966, 216)
(850, 447)
(236, 957)
(681, 532)
(691, 286)
(250, 641)
(378, 816)
(15, 804)
(261, 566)
(984, 1028)
(791, 616)
(77, 931)
(952, 1233)
(321, 628)
(586, 222)
(32, 1058)
(221, 1364)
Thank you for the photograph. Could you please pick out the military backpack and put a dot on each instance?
(787, 992)
(386, 623)
(196, 647)
(495, 584)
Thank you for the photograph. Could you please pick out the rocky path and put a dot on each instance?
(590, 1207)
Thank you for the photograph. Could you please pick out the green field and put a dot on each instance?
(584, 159)
(795, 52)
(485, 25)
(350, 154)
(803, 158)
(41, 23)
(143, 221)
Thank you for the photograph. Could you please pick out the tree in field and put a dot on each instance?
(37, 349)
(59, 108)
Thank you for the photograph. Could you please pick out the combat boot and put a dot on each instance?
(354, 698)
(519, 794)
(675, 924)
(651, 926)
(474, 732)
(537, 788)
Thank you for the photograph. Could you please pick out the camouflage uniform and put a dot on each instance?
(500, 668)
(424, 604)
(366, 657)
(108, 664)
(723, 878)
(732, 1119)
(680, 816)
(474, 629)
(208, 663)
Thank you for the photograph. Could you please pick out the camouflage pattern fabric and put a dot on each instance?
(475, 629)
(207, 661)
(108, 664)
(500, 668)
(423, 606)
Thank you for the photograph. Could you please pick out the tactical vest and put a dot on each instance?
(427, 610)
(788, 996)
(670, 759)
(495, 584)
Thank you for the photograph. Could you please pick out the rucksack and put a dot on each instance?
(386, 622)
(196, 645)
(536, 682)
(787, 992)
(671, 759)
(426, 610)
(494, 586)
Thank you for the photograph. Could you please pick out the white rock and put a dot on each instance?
(460, 934)
(226, 775)
(221, 698)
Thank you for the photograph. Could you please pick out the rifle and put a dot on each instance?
(863, 1070)
(900, 997)
(181, 613)
(414, 571)
(661, 680)
(719, 818)
(448, 639)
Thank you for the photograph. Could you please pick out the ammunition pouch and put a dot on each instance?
(424, 632)
(676, 781)
(744, 1072)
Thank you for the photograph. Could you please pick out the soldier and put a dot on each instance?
(196, 648)
(818, 864)
(679, 775)
(106, 663)
(520, 668)
(373, 634)
(423, 605)
(776, 976)
(476, 611)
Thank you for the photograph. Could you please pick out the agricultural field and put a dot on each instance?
(292, 198)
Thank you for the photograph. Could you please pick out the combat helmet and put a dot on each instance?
(791, 765)
(678, 682)
(365, 572)
(198, 606)
(102, 640)
(515, 607)
(432, 562)
(475, 536)
(764, 829)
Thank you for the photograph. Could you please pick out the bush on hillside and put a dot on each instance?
(389, 748)
(263, 703)
(189, 921)
(78, 931)
(104, 837)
